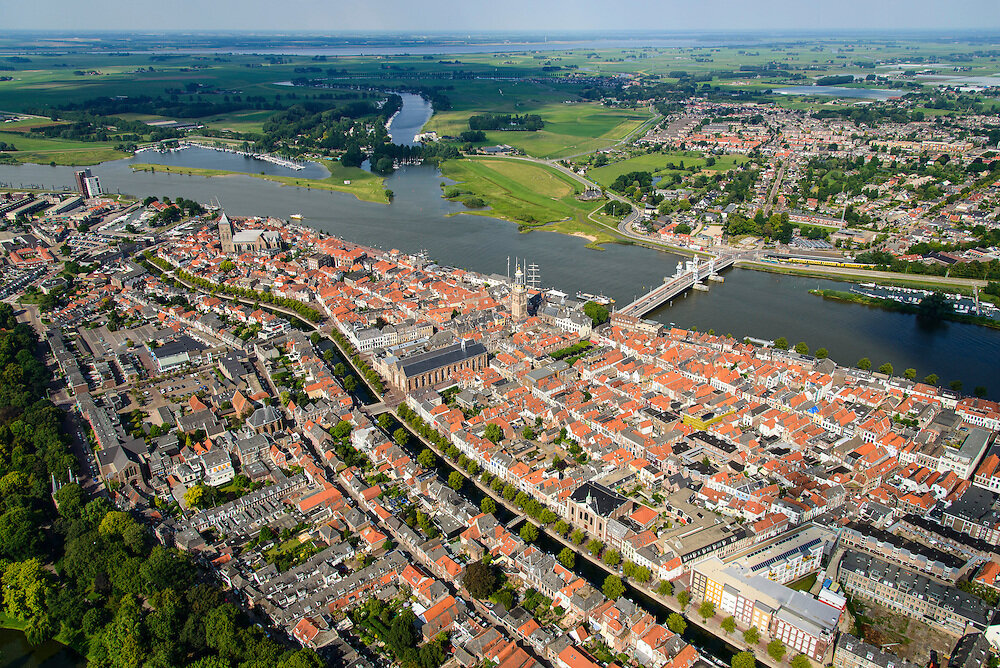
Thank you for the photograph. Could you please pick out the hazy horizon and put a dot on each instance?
(562, 16)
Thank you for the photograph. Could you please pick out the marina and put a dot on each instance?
(963, 304)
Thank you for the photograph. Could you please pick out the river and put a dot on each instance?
(843, 91)
(749, 303)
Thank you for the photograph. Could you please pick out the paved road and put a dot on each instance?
(844, 273)
(774, 188)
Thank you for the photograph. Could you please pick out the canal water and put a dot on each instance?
(749, 303)
(15, 651)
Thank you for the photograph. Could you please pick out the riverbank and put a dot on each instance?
(964, 286)
(892, 305)
(366, 186)
(529, 194)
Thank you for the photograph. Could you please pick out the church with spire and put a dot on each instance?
(519, 297)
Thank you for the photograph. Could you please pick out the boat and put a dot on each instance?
(600, 299)
(296, 216)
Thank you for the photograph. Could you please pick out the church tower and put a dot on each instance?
(519, 297)
(226, 235)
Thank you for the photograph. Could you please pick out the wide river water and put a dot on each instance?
(749, 303)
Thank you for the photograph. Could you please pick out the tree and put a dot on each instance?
(18, 533)
(401, 436)
(956, 385)
(801, 661)
(931, 379)
(676, 623)
(528, 533)
(613, 587)
(910, 374)
(597, 313)
(776, 649)
(801, 348)
(751, 636)
(509, 492)
(886, 369)
(595, 546)
(822, 353)
(479, 580)
(493, 433)
(426, 459)
(934, 308)
(781, 343)
(341, 430)
(350, 383)
(578, 536)
(561, 527)
(25, 588)
(488, 505)
(684, 597)
(980, 391)
(864, 364)
(456, 480)
(612, 557)
(728, 624)
(567, 558)
(743, 660)
(665, 588)
(194, 497)
(706, 610)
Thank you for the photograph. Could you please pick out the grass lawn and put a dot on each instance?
(250, 120)
(805, 584)
(363, 185)
(657, 164)
(289, 545)
(61, 151)
(531, 195)
(570, 129)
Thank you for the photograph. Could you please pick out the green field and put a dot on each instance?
(60, 151)
(656, 163)
(363, 185)
(570, 128)
(533, 196)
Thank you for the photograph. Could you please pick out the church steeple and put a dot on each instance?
(226, 235)
(519, 297)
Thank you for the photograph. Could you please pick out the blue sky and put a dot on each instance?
(479, 15)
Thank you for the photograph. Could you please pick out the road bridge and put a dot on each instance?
(688, 275)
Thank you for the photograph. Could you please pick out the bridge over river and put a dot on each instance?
(687, 276)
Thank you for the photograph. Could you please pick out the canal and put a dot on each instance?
(15, 650)
(594, 574)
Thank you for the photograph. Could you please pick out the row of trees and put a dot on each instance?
(370, 375)
(303, 310)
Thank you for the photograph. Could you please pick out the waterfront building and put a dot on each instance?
(804, 624)
(88, 184)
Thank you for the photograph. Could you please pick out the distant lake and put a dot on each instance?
(840, 91)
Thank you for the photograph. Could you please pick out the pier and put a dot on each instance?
(688, 275)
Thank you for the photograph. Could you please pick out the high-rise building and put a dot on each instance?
(88, 184)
